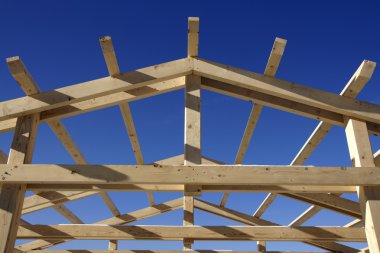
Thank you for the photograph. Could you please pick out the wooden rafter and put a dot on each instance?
(270, 70)
(114, 71)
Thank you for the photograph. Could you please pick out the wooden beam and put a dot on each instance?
(290, 91)
(270, 70)
(192, 174)
(120, 220)
(192, 145)
(44, 199)
(253, 221)
(102, 102)
(69, 215)
(181, 188)
(193, 37)
(117, 232)
(113, 70)
(94, 89)
(113, 245)
(360, 150)
(12, 196)
(261, 246)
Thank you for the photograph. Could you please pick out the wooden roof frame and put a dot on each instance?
(190, 173)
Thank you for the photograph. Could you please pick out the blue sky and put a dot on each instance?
(58, 42)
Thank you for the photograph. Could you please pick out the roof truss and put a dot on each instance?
(191, 174)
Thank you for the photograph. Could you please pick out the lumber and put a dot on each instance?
(12, 195)
(43, 200)
(192, 174)
(120, 220)
(192, 145)
(69, 215)
(193, 37)
(113, 70)
(289, 91)
(270, 70)
(118, 232)
(3, 157)
(93, 89)
(360, 150)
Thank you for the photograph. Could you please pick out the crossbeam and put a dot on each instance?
(229, 233)
(192, 174)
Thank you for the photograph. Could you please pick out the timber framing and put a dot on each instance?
(190, 173)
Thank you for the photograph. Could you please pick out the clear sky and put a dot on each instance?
(58, 42)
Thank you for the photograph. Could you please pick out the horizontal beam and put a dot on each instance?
(117, 232)
(181, 188)
(92, 89)
(194, 174)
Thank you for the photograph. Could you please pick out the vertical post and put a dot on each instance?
(112, 245)
(12, 196)
(261, 246)
(192, 145)
(361, 156)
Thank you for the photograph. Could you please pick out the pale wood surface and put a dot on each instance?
(361, 155)
(12, 196)
(117, 232)
(192, 174)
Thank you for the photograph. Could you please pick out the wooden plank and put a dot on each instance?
(44, 200)
(12, 196)
(93, 89)
(280, 103)
(192, 145)
(192, 174)
(103, 102)
(69, 215)
(193, 37)
(117, 232)
(120, 220)
(253, 221)
(264, 205)
(181, 188)
(261, 246)
(113, 70)
(361, 155)
(288, 90)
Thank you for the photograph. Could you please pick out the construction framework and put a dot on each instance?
(190, 173)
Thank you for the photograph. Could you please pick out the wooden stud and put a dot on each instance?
(12, 196)
(261, 246)
(113, 245)
(361, 155)
(192, 154)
